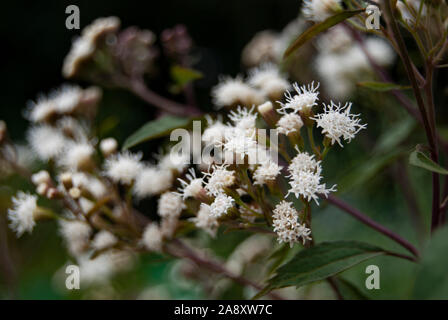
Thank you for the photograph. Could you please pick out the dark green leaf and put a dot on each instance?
(348, 290)
(320, 262)
(432, 277)
(318, 28)
(394, 136)
(155, 129)
(382, 86)
(419, 159)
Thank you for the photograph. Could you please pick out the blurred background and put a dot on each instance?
(34, 43)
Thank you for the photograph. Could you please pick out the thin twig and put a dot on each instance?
(190, 254)
(371, 223)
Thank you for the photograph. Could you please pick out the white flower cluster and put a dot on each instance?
(319, 10)
(337, 122)
(305, 177)
(342, 62)
(84, 46)
(263, 83)
(286, 224)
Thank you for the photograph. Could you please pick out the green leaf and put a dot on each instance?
(419, 159)
(370, 167)
(432, 277)
(155, 129)
(318, 28)
(394, 136)
(182, 76)
(348, 290)
(320, 262)
(382, 86)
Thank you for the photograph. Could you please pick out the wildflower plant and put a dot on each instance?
(251, 182)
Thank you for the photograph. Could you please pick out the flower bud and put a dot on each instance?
(268, 113)
(108, 146)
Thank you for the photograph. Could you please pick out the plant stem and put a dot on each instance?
(429, 127)
(213, 266)
(371, 223)
(138, 87)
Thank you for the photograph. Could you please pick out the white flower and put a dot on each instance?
(214, 133)
(218, 179)
(67, 98)
(304, 162)
(231, 92)
(319, 10)
(76, 156)
(269, 80)
(205, 220)
(381, 52)
(286, 225)
(174, 161)
(64, 100)
(221, 205)
(239, 143)
(84, 47)
(243, 118)
(104, 239)
(193, 187)
(267, 171)
(76, 235)
(151, 181)
(47, 142)
(170, 205)
(108, 146)
(152, 238)
(124, 167)
(337, 122)
(21, 215)
(41, 177)
(303, 101)
(289, 123)
(307, 184)
(263, 47)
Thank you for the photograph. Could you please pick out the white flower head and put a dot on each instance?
(239, 142)
(170, 205)
(151, 181)
(268, 79)
(243, 118)
(192, 187)
(108, 146)
(267, 171)
(221, 205)
(103, 240)
(230, 92)
(76, 235)
(307, 185)
(305, 98)
(47, 142)
(174, 161)
(319, 10)
(337, 122)
(152, 237)
(206, 220)
(124, 167)
(21, 215)
(215, 132)
(41, 177)
(286, 224)
(303, 161)
(218, 179)
(76, 156)
(289, 123)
